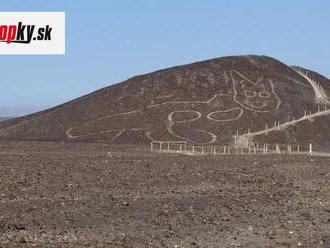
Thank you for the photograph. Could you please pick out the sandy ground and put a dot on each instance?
(92, 195)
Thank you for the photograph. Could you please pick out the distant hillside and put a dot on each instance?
(4, 118)
(206, 102)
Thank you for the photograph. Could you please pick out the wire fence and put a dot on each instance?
(251, 149)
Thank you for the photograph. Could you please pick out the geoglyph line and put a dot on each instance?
(170, 116)
(226, 111)
(171, 122)
(184, 102)
(69, 134)
(320, 95)
(278, 100)
(320, 98)
(170, 119)
(285, 124)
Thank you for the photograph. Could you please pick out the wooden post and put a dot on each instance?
(278, 150)
(168, 146)
(224, 150)
(289, 149)
(202, 150)
(236, 137)
(310, 148)
(215, 151)
(152, 146)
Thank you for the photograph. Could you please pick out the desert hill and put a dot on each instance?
(206, 102)
(4, 118)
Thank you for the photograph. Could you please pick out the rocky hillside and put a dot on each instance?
(206, 102)
(4, 118)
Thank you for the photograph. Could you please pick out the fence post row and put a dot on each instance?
(183, 147)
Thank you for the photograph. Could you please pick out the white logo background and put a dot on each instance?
(56, 20)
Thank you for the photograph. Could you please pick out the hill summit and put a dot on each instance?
(208, 102)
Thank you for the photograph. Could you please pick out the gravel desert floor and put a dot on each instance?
(95, 195)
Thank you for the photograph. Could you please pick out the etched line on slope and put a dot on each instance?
(320, 95)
